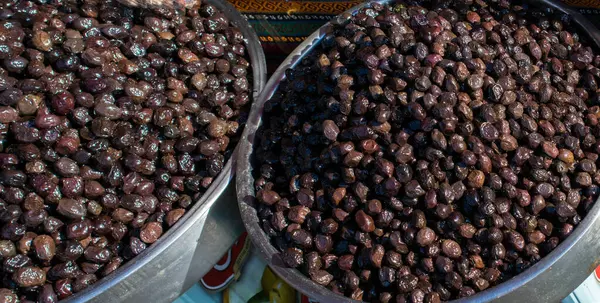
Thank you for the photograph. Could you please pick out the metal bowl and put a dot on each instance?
(179, 258)
(549, 280)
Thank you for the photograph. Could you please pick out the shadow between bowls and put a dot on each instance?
(549, 280)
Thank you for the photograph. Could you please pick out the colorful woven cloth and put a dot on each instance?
(282, 25)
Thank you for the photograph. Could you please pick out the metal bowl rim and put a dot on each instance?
(200, 208)
(294, 277)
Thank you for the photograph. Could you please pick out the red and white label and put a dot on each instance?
(228, 268)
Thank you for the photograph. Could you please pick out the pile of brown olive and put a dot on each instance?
(427, 153)
(113, 121)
